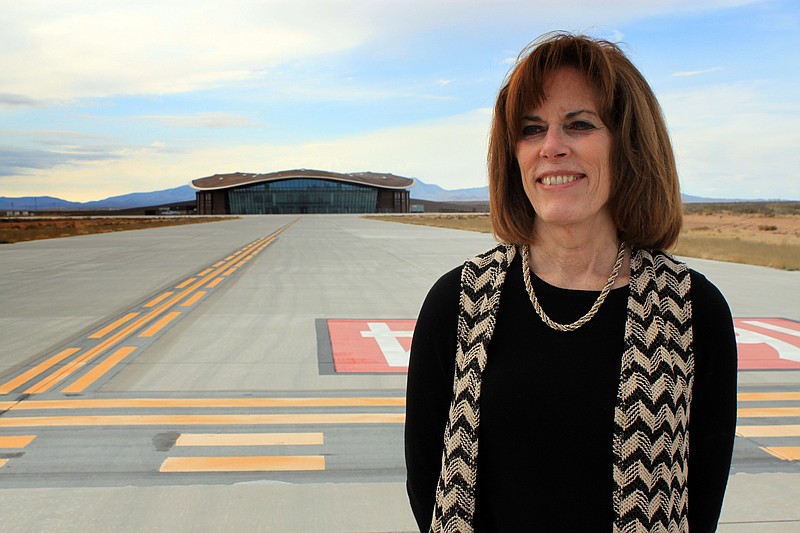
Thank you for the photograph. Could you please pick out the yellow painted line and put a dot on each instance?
(218, 263)
(768, 396)
(785, 453)
(241, 263)
(111, 327)
(100, 370)
(185, 283)
(215, 283)
(160, 324)
(38, 369)
(51, 380)
(157, 300)
(190, 403)
(791, 430)
(193, 300)
(243, 464)
(3, 462)
(192, 420)
(204, 272)
(16, 442)
(230, 257)
(764, 412)
(229, 272)
(249, 439)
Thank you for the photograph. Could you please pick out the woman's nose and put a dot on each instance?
(553, 144)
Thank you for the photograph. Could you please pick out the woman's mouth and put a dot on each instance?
(559, 180)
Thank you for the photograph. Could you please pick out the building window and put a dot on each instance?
(298, 196)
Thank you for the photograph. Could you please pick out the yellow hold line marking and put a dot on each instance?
(250, 439)
(198, 420)
(16, 442)
(193, 403)
(243, 464)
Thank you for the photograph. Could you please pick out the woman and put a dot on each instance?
(551, 378)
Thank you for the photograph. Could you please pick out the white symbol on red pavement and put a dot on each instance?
(767, 343)
(388, 342)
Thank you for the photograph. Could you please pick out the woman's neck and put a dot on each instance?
(577, 261)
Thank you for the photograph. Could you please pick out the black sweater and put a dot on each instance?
(547, 407)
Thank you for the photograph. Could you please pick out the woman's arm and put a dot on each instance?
(712, 419)
(429, 392)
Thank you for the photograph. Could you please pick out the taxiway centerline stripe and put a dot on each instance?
(790, 430)
(249, 439)
(49, 381)
(229, 272)
(193, 299)
(98, 371)
(215, 283)
(197, 420)
(765, 412)
(158, 299)
(54, 378)
(768, 396)
(160, 324)
(191, 403)
(185, 283)
(99, 334)
(785, 453)
(204, 272)
(243, 464)
(16, 442)
(35, 371)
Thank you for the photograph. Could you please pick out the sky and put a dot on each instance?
(101, 98)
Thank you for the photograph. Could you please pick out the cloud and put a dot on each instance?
(18, 100)
(95, 48)
(15, 161)
(696, 72)
(726, 136)
(450, 152)
(211, 120)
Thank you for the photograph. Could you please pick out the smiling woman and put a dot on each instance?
(551, 377)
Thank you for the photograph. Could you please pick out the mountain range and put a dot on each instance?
(184, 193)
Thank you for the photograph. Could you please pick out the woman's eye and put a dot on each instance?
(581, 125)
(531, 129)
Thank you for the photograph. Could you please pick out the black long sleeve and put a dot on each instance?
(547, 408)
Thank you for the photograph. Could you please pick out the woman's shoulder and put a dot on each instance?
(704, 293)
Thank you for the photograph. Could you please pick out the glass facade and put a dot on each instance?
(298, 196)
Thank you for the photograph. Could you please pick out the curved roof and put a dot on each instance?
(237, 179)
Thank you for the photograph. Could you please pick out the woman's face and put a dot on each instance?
(564, 156)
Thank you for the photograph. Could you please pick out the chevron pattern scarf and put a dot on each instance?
(651, 438)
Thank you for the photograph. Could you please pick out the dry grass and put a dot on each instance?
(755, 233)
(29, 229)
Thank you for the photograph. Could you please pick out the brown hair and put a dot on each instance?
(645, 200)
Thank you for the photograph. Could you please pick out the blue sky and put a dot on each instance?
(100, 98)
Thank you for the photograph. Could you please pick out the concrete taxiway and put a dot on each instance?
(181, 379)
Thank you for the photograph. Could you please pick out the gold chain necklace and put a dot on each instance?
(526, 275)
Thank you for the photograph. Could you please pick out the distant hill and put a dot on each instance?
(426, 191)
(184, 193)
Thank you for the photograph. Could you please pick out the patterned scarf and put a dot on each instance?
(651, 438)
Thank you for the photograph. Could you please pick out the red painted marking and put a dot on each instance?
(371, 345)
(367, 345)
(767, 343)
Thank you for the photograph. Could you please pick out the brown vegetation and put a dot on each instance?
(29, 229)
(756, 233)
